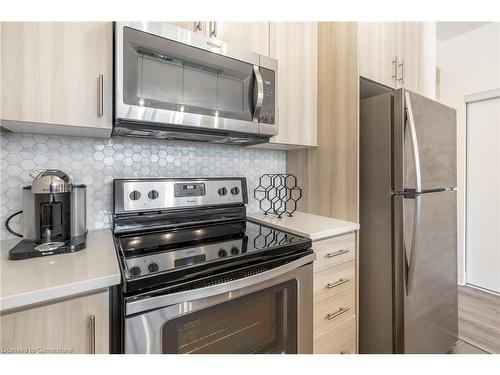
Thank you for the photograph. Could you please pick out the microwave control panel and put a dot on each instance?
(268, 110)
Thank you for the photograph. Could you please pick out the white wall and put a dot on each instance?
(469, 63)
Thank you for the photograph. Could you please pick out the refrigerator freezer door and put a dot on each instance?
(427, 314)
(424, 143)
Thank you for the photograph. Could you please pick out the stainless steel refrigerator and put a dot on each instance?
(408, 226)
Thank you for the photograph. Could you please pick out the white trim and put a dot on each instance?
(485, 95)
(482, 289)
(470, 99)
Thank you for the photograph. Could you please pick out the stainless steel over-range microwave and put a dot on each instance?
(172, 83)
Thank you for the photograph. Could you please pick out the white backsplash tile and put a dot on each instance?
(96, 162)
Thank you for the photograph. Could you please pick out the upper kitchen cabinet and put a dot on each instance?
(416, 49)
(252, 36)
(196, 26)
(57, 77)
(295, 46)
(377, 51)
(399, 55)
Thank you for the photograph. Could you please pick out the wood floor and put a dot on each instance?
(479, 319)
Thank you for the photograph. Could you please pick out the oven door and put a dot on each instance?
(269, 312)
(169, 75)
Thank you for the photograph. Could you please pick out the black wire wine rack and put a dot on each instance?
(278, 194)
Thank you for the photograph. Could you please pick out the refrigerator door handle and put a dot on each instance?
(414, 142)
(410, 264)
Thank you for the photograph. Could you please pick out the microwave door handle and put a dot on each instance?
(152, 303)
(260, 93)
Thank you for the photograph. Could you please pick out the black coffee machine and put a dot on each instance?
(54, 216)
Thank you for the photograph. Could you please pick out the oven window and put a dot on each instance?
(262, 322)
(164, 74)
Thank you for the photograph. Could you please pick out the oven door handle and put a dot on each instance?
(153, 303)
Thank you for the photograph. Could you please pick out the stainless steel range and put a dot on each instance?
(197, 277)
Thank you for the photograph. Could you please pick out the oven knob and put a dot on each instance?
(234, 250)
(153, 267)
(135, 271)
(135, 195)
(235, 190)
(153, 194)
(222, 253)
(222, 191)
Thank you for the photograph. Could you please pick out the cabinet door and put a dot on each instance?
(196, 26)
(74, 326)
(416, 46)
(251, 36)
(57, 73)
(377, 51)
(295, 46)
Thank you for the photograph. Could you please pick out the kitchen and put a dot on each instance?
(182, 191)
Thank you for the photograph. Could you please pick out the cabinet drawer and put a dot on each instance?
(332, 311)
(334, 251)
(334, 281)
(340, 339)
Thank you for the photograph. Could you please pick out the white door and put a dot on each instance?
(483, 179)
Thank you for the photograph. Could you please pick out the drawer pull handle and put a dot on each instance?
(101, 96)
(337, 253)
(92, 334)
(336, 283)
(340, 311)
(345, 352)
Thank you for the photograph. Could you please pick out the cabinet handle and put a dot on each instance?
(336, 283)
(92, 334)
(395, 68)
(337, 253)
(197, 27)
(101, 95)
(340, 311)
(345, 352)
(402, 66)
(213, 29)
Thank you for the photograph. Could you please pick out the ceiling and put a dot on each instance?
(448, 30)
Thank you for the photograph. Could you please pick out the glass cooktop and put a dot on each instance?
(153, 253)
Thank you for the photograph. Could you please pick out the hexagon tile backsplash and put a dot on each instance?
(96, 162)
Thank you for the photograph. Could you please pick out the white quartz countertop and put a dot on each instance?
(37, 280)
(303, 224)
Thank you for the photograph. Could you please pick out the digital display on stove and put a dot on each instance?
(181, 262)
(189, 190)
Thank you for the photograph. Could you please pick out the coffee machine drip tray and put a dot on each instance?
(29, 249)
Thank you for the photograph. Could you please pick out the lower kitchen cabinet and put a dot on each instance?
(77, 326)
(340, 339)
(335, 295)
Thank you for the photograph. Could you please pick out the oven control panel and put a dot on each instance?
(162, 194)
(164, 261)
